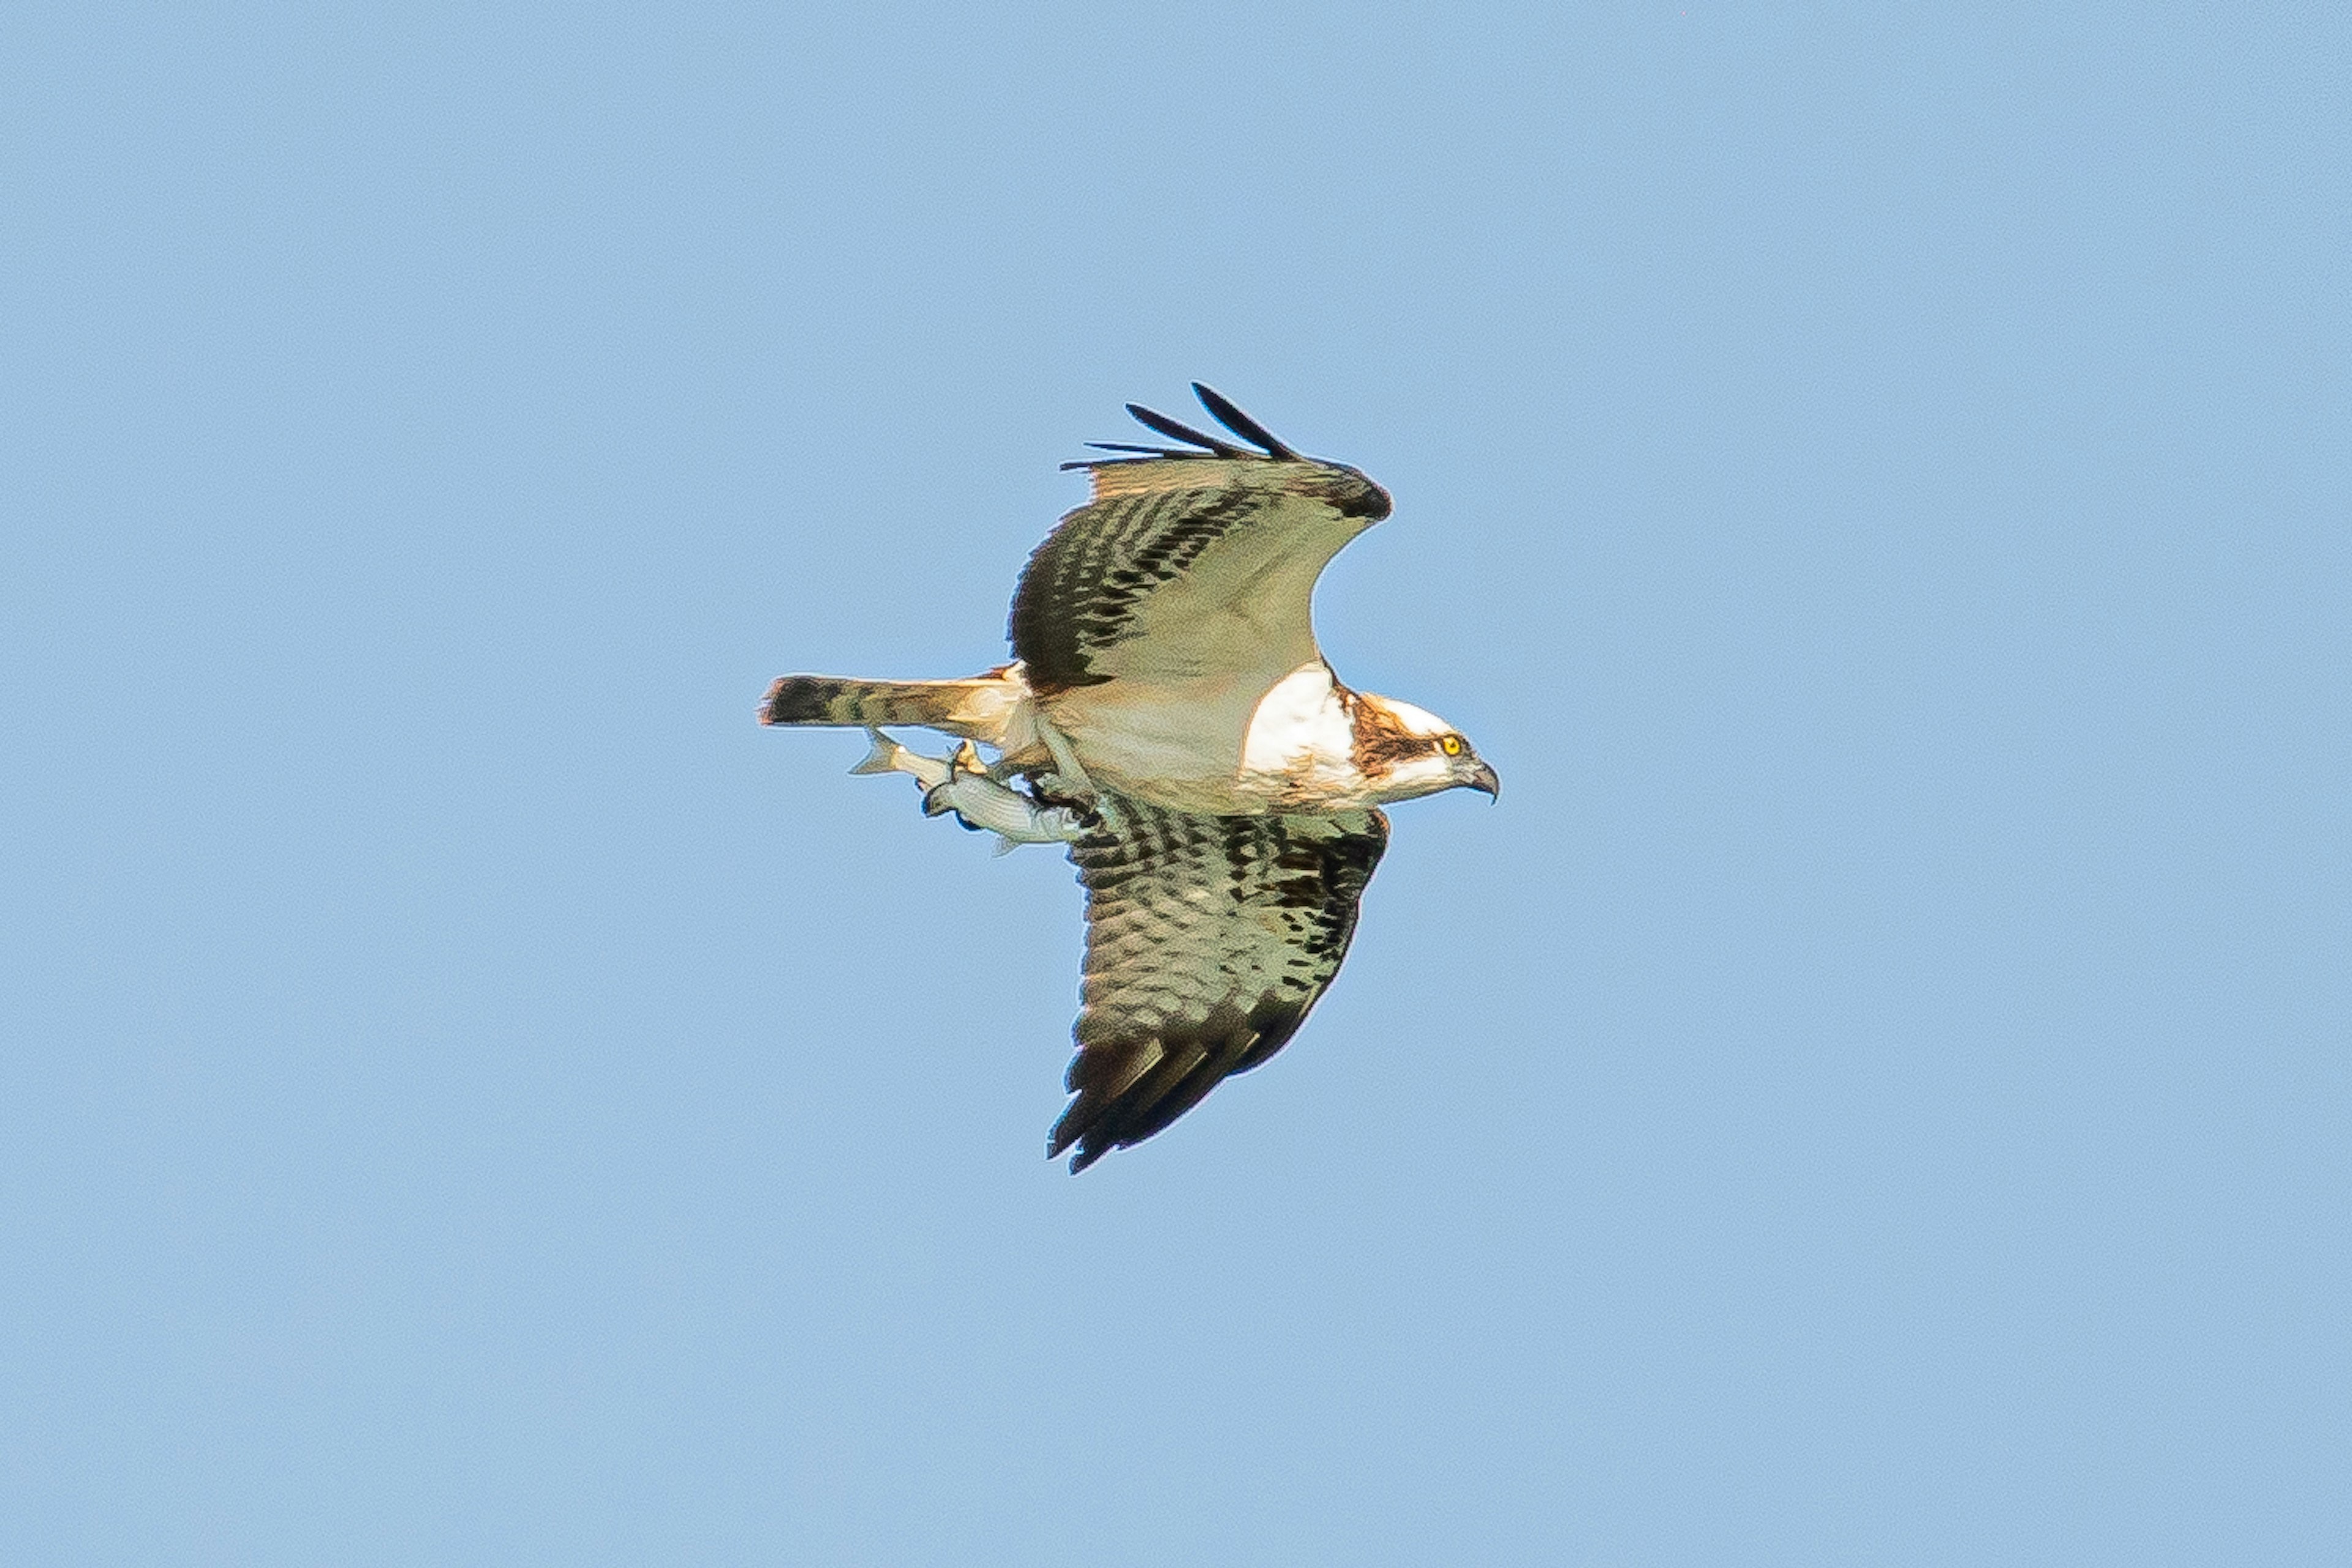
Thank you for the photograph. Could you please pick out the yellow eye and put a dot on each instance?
(1451, 745)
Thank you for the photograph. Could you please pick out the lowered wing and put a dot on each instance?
(1208, 938)
(1189, 565)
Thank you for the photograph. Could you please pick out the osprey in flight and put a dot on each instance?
(1168, 715)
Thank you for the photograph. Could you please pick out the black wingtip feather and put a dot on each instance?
(1239, 423)
(1129, 453)
(1177, 432)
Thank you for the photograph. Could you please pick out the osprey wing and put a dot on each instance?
(1189, 565)
(1208, 938)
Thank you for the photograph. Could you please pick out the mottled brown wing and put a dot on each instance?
(1208, 938)
(1185, 568)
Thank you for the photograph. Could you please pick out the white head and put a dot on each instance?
(1404, 751)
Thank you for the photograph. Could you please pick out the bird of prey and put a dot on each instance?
(1169, 717)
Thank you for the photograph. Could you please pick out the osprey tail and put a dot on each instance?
(978, 709)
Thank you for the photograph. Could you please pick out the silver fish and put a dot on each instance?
(889, 757)
(962, 785)
(980, 802)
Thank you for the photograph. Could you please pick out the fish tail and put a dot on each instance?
(882, 759)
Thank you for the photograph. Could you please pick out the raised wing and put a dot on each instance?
(1188, 564)
(1208, 938)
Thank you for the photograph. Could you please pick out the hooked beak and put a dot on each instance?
(1482, 777)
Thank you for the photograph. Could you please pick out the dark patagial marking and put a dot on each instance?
(1349, 493)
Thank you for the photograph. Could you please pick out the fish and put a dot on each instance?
(979, 803)
(889, 757)
(962, 785)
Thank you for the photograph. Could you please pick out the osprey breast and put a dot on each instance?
(1300, 728)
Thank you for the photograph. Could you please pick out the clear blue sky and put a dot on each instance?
(1875, 1091)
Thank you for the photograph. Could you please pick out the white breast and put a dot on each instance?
(1299, 728)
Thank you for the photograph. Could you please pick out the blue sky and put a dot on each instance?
(1875, 1091)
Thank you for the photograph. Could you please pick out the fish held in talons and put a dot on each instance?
(964, 786)
(979, 803)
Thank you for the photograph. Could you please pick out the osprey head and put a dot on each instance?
(1404, 750)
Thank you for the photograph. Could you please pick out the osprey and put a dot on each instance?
(1168, 715)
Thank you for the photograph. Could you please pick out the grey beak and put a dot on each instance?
(1482, 777)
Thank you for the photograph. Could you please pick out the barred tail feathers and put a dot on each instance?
(978, 709)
